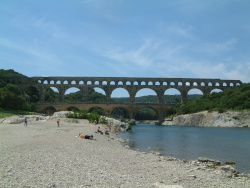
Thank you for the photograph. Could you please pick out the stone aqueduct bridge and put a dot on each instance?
(109, 84)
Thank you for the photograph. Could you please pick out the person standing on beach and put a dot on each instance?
(58, 123)
(25, 121)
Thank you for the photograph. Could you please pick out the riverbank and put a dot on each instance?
(212, 119)
(44, 155)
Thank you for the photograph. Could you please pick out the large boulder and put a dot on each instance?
(116, 125)
(212, 119)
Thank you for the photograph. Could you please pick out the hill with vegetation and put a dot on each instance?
(8, 73)
(235, 98)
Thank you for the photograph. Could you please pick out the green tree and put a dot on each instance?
(94, 96)
(10, 98)
(51, 96)
(33, 94)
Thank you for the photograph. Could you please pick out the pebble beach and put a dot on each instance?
(44, 155)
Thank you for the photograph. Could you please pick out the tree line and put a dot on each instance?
(11, 97)
(235, 98)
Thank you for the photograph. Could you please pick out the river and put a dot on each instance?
(223, 144)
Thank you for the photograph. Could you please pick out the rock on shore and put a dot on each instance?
(212, 119)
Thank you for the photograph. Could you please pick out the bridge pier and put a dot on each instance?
(131, 115)
(183, 96)
(161, 117)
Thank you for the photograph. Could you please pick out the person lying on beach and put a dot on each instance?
(82, 136)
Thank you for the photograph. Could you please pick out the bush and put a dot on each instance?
(82, 114)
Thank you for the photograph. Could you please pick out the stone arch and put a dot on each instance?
(149, 95)
(194, 93)
(150, 83)
(71, 90)
(120, 113)
(104, 83)
(58, 82)
(52, 94)
(146, 113)
(118, 92)
(215, 91)
(73, 94)
(49, 110)
(71, 108)
(120, 83)
(97, 109)
(195, 84)
(128, 83)
(99, 95)
(172, 95)
(73, 82)
(135, 83)
(157, 83)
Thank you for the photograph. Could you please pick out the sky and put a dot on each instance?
(126, 38)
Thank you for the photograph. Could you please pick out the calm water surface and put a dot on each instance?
(223, 144)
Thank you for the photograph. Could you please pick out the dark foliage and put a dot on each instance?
(236, 98)
(11, 99)
(146, 114)
(51, 96)
(95, 97)
(8, 73)
(32, 94)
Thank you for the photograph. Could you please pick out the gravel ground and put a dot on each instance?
(43, 155)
